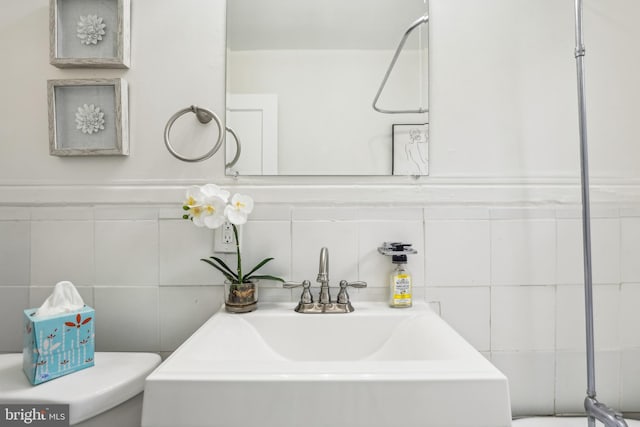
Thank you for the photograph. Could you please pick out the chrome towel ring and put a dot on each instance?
(204, 116)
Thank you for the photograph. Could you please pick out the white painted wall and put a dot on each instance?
(502, 91)
(172, 68)
(496, 225)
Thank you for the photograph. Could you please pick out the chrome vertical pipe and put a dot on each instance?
(595, 410)
(586, 214)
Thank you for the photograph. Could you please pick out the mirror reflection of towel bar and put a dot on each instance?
(237, 156)
(422, 20)
(204, 116)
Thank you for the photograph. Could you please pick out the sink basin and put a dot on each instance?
(375, 367)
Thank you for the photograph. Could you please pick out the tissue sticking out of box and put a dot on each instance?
(64, 299)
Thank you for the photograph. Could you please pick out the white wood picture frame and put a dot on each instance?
(88, 117)
(89, 33)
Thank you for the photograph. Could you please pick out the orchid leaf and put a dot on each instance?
(229, 277)
(224, 265)
(257, 267)
(264, 277)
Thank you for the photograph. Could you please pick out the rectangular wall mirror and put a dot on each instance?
(301, 80)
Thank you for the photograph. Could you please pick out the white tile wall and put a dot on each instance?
(605, 245)
(629, 374)
(531, 380)
(126, 253)
(62, 213)
(181, 246)
(630, 316)
(183, 309)
(606, 250)
(507, 279)
(62, 250)
(128, 213)
(467, 310)
(523, 252)
(13, 300)
(630, 252)
(127, 318)
(14, 252)
(457, 252)
(569, 235)
(340, 237)
(523, 318)
(456, 212)
(570, 317)
(14, 213)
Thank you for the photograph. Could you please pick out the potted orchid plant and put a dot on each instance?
(209, 206)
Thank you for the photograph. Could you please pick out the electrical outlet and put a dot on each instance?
(224, 240)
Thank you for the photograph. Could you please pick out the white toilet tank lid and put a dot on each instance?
(115, 378)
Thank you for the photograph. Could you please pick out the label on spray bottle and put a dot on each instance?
(401, 289)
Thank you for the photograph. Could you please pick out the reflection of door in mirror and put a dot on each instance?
(321, 64)
(255, 117)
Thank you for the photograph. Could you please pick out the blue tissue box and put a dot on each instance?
(57, 345)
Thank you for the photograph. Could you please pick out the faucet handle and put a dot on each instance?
(306, 297)
(343, 295)
(356, 284)
(290, 285)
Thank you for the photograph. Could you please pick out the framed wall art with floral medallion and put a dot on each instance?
(88, 117)
(89, 33)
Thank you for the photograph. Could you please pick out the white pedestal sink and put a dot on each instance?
(375, 367)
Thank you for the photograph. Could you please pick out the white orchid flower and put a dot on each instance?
(212, 190)
(238, 211)
(205, 205)
(194, 196)
(193, 205)
(213, 212)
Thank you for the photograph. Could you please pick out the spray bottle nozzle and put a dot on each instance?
(400, 247)
(397, 249)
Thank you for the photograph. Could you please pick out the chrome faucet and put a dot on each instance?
(324, 305)
(323, 276)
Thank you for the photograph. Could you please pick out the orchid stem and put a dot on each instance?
(235, 234)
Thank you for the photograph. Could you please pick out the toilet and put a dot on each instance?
(105, 395)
